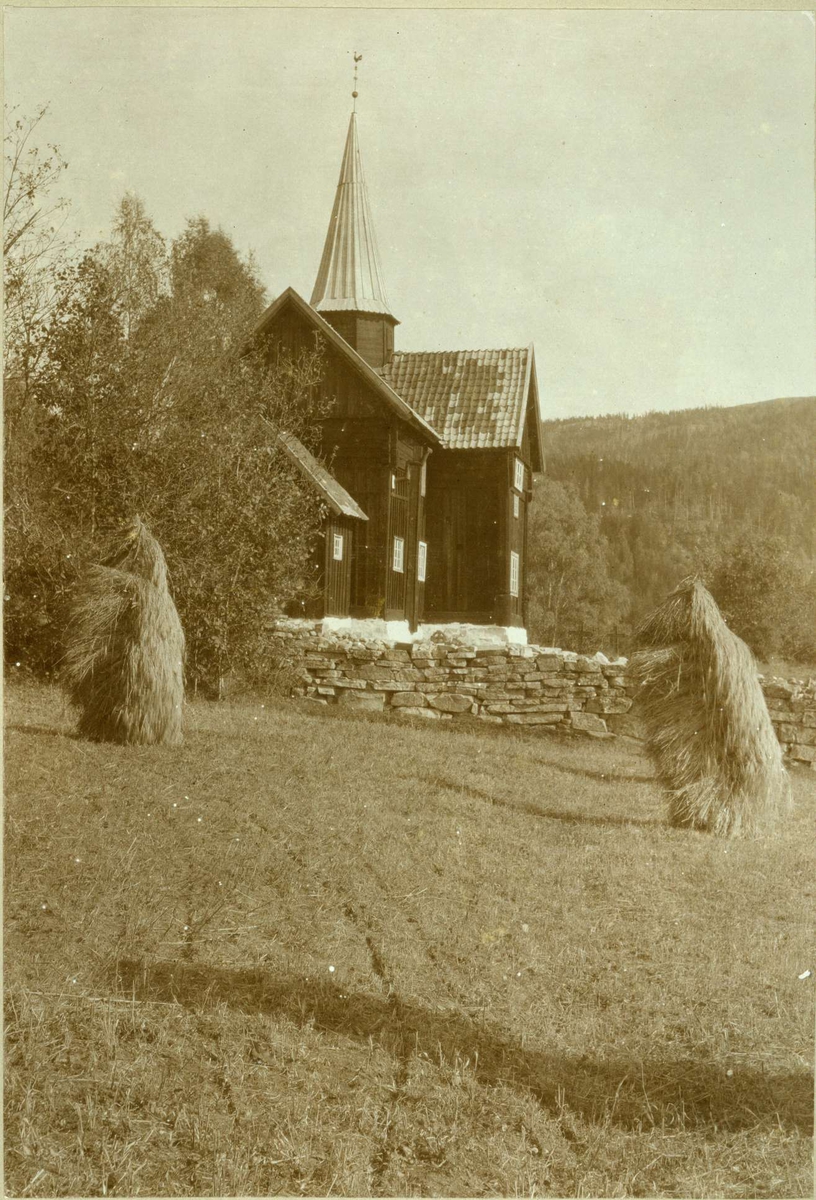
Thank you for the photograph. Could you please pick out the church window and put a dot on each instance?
(337, 554)
(422, 559)
(423, 476)
(514, 573)
(516, 505)
(518, 482)
(399, 554)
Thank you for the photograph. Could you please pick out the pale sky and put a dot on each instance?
(631, 191)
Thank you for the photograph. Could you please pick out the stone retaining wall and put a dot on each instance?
(792, 705)
(545, 689)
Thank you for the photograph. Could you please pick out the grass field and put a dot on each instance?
(314, 954)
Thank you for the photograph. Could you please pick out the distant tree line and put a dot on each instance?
(130, 388)
(726, 493)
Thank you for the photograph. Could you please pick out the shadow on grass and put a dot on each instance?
(683, 1093)
(45, 731)
(533, 810)
(608, 777)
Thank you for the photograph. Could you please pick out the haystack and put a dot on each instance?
(706, 721)
(124, 661)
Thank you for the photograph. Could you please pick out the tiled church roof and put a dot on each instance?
(474, 399)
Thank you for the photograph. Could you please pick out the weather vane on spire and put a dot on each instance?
(357, 58)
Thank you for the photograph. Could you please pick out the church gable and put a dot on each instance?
(355, 387)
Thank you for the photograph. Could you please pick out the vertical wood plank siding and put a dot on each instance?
(370, 334)
(337, 572)
(465, 490)
(362, 442)
(466, 518)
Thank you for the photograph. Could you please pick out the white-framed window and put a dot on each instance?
(423, 478)
(337, 552)
(518, 481)
(514, 573)
(399, 554)
(516, 505)
(422, 561)
(393, 482)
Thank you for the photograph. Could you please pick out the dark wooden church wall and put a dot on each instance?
(377, 457)
(526, 446)
(375, 339)
(399, 501)
(370, 334)
(341, 386)
(465, 535)
(337, 571)
(404, 590)
(331, 576)
(515, 520)
(532, 426)
(356, 444)
(367, 483)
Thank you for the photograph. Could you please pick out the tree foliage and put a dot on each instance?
(767, 595)
(724, 492)
(34, 250)
(149, 399)
(569, 583)
(136, 259)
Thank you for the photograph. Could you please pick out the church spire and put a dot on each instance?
(350, 276)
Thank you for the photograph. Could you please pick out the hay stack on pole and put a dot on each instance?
(707, 724)
(124, 660)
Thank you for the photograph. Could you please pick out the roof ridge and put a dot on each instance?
(464, 350)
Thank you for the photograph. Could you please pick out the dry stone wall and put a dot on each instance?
(531, 686)
(792, 705)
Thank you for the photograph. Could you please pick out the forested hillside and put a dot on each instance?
(728, 492)
(753, 464)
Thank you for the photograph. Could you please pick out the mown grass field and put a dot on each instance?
(314, 954)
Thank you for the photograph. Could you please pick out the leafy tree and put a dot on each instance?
(37, 287)
(76, 477)
(236, 522)
(568, 573)
(206, 272)
(661, 557)
(166, 410)
(136, 259)
(767, 593)
(34, 250)
(677, 491)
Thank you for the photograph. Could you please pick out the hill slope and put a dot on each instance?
(724, 492)
(313, 954)
(752, 463)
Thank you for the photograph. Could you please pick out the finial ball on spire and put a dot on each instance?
(357, 58)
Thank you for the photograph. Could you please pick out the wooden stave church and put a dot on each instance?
(431, 455)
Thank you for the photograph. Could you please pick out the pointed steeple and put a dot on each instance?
(350, 276)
